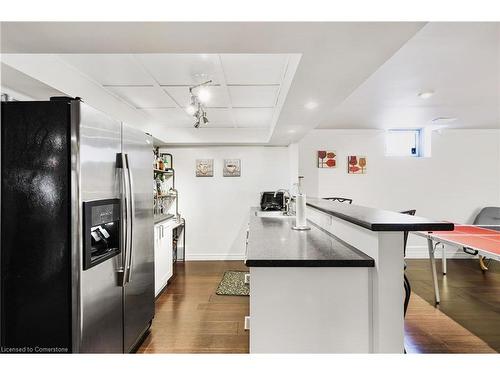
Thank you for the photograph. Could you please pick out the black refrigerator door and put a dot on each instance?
(35, 226)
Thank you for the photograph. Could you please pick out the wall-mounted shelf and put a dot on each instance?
(160, 218)
(167, 171)
(165, 196)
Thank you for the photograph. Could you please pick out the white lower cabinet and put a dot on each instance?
(163, 256)
(311, 310)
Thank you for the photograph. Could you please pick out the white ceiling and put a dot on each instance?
(253, 100)
(244, 91)
(459, 62)
(24, 86)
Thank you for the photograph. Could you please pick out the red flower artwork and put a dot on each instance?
(356, 164)
(326, 159)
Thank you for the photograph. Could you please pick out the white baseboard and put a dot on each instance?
(421, 252)
(199, 257)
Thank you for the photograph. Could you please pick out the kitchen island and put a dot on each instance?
(337, 288)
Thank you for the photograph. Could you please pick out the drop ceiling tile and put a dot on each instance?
(253, 117)
(110, 69)
(254, 69)
(218, 95)
(171, 117)
(253, 96)
(143, 97)
(219, 118)
(182, 69)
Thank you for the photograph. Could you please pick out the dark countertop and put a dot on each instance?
(273, 243)
(375, 219)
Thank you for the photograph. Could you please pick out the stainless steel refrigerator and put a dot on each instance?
(77, 266)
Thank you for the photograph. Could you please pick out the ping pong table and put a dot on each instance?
(482, 240)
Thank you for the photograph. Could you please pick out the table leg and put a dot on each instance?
(443, 258)
(482, 264)
(433, 269)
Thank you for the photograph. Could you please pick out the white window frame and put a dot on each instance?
(419, 143)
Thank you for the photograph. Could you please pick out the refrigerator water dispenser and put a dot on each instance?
(101, 232)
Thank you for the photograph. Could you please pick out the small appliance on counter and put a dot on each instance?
(272, 201)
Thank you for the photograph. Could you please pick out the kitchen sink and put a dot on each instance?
(278, 214)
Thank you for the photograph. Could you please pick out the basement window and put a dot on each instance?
(403, 142)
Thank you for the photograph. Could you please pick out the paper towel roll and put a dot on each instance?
(300, 209)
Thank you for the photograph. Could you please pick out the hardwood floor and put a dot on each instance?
(191, 318)
(428, 330)
(468, 296)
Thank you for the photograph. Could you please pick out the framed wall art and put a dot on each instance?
(356, 164)
(327, 159)
(204, 167)
(232, 168)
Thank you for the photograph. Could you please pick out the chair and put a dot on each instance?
(488, 216)
(406, 282)
(339, 199)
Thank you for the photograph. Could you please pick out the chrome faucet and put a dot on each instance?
(286, 199)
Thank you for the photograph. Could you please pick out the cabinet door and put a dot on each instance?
(168, 249)
(157, 255)
(163, 262)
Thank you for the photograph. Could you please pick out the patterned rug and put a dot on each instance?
(233, 284)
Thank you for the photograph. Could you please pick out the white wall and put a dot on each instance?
(461, 176)
(293, 163)
(217, 208)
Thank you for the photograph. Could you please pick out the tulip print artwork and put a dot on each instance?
(326, 159)
(356, 164)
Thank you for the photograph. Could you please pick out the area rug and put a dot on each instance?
(233, 284)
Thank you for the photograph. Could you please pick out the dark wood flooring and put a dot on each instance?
(468, 296)
(191, 318)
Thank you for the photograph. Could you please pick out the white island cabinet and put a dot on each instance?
(163, 256)
(336, 288)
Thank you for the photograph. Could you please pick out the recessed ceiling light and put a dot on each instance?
(292, 131)
(444, 120)
(311, 105)
(425, 94)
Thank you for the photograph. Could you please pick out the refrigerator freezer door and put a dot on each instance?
(101, 295)
(35, 281)
(138, 310)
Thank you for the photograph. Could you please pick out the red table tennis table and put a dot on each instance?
(482, 240)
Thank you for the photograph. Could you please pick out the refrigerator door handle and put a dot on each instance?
(131, 218)
(122, 270)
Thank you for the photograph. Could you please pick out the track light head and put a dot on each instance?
(204, 118)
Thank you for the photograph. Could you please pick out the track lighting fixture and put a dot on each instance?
(197, 108)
